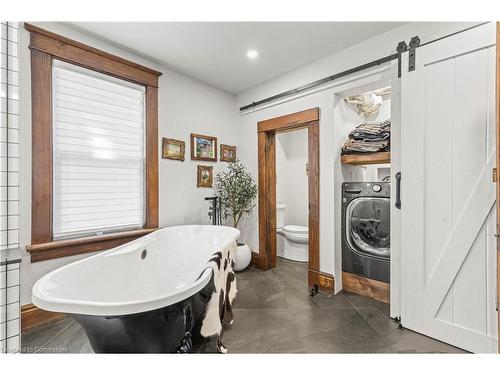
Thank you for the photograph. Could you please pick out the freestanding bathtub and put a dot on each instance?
(142, 296)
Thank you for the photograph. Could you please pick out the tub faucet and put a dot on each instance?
(214, 210)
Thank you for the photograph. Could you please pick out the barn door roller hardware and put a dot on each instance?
(402, 47)
(414, 43)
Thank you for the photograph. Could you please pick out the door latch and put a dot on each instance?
(494, 175)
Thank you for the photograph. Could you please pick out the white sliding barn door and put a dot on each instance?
(395, 286)
(448, 247)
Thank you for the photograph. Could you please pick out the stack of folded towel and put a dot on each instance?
(369, 137)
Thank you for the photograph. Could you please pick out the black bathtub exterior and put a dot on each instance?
(169, 329)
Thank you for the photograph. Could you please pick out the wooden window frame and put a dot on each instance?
(46, 46)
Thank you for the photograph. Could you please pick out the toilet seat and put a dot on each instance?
(296, 229)
(295, 233)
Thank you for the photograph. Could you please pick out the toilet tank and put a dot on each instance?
(280, 215)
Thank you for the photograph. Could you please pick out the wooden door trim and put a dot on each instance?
(266, 140)
(289, 122)
(313, 191)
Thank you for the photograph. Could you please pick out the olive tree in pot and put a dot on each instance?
(237, 191)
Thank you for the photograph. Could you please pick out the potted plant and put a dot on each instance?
(237, 191)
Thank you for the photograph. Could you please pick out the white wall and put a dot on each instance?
(185, 106)
(324, 98)
(291, 177)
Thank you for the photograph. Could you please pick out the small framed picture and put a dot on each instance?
(203, 147)
(227, 153)
(205, 176)
(173, 149)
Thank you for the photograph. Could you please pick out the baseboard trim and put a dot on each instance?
(323, 280)
(32, 316)
(259, 261)
(375, 289)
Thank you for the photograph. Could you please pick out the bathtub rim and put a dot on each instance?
(84, 307)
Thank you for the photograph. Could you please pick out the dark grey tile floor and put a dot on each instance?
(273, 313)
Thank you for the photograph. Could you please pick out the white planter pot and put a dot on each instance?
(243, 257)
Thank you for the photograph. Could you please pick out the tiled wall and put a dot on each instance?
(9, 187)
(9, 130)
(10, 321)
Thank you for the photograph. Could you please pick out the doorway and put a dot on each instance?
(266, 133)
(362, 175)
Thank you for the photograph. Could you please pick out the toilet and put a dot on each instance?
(292, 240)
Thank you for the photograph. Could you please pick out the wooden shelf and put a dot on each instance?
(362, 159)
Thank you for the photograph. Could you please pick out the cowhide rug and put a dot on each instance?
(219, 308)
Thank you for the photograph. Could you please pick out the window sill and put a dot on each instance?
(83, 245)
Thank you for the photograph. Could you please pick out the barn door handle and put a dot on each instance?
(398, 190)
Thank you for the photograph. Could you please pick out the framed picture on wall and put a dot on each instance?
(203, 147)
(173, 149)
(227, 153)
(205, 176)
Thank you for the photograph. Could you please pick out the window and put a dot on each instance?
(98, 152)
(94, 148)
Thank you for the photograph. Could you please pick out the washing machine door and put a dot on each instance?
(368, 226)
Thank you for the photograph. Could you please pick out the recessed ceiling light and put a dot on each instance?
(252, 54)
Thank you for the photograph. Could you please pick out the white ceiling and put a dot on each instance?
(215, 53)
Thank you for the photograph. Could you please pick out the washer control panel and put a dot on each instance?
(368, 189)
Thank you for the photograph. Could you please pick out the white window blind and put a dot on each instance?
(98, 152)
